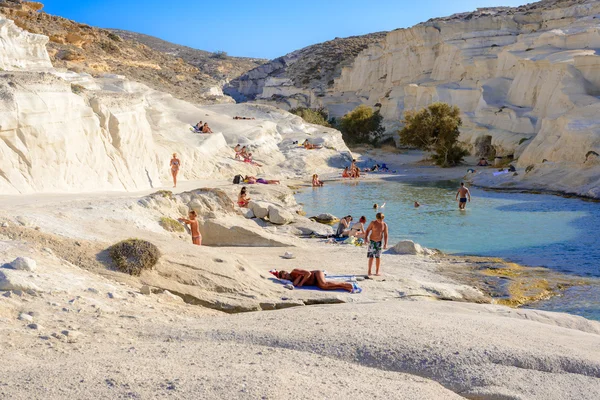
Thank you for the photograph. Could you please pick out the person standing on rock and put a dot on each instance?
(377, 233)
(175, 164)
(193, 223)
(463, 192)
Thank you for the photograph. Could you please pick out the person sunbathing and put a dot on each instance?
(358, 229)
(316, 182)
(198, 127)
(243, 198)
(248, 159)
(251, 180)
(309, 146)
(301, 277)
(206, 129)
(483, 163)
(238, 151)
(346, 173)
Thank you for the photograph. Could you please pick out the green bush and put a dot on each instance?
(316, 116)
(171, 225)
(77, 89)
(221, 55)
(435, 128)
(361, 125)
(163, 193)
(132, 256)
(114, 37)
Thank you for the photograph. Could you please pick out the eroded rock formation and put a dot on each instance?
(527, 80)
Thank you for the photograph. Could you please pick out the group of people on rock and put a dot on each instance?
(202, 128)
(242, 153)
(351, 172)
(376, 235)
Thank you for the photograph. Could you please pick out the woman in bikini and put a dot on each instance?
(243, 198)
(300, 277)
(175, 164)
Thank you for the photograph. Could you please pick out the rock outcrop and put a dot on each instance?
(526, 80)
(66, 131)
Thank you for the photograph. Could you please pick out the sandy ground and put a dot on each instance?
(84, 331)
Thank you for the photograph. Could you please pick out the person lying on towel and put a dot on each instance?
(301, 277)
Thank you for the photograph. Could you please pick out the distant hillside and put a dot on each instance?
(304, 72)
(221, 67)
(83, 48)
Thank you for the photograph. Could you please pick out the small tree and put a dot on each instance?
(435, 128)
(312, 116)
(362, 125)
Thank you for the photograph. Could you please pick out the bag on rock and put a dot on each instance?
(237, 179)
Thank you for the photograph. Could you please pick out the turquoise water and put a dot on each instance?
(530, 229)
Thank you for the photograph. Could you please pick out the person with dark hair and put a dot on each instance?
(301, 277)
(482, 162)
(243, 198)
(463, 192)
(377, 233)
(344, 226)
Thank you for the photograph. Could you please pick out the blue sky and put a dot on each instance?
(258, 28)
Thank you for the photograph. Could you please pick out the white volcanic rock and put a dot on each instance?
(234, 231)
(22, 264)
(410, 247)
(22, 50)
(526, 79)
(259, 208)
(16, 280)
(280, 216)
(63, 132)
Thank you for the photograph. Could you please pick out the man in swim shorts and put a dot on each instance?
(463, 192)
(377, 233)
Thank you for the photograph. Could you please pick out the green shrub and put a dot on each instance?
(132, 256)
(316, 116)
(171, 225)
(77, 89)
(163, 193)
(114, 37)
(361, 125)
(435, 128)
(221, 55)
(523, 140)
(110, 47)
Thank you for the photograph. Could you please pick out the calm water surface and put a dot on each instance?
(530, 229)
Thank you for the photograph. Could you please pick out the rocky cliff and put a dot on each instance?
(527, 80)
(82, 48)
(64, 131)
